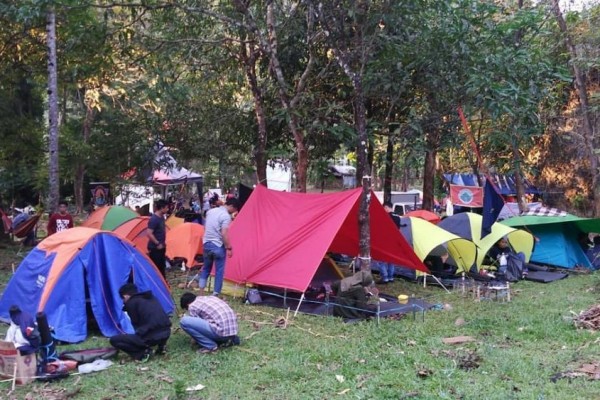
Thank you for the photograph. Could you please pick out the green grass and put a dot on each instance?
(519, 346)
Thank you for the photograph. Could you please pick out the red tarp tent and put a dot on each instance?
(279, 239)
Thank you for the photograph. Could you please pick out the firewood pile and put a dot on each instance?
(588, 319)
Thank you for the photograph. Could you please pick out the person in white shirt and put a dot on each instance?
(23, 332)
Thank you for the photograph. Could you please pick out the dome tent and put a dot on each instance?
(55, 276)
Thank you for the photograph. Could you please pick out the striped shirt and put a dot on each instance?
(217, 313)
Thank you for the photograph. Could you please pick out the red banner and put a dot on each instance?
(466, 196)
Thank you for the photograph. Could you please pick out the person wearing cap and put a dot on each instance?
(216, 244)
(351, 296)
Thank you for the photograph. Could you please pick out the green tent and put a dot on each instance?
(557, 238)
(109, 218)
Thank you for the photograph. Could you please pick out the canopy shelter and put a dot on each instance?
(424, 236)
(279, 238)
(468, 226)
(109, 217)
(72, 267)
(557, 238)
(168, 172)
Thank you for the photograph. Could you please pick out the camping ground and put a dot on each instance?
(519, 348)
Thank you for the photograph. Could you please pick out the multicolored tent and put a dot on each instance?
(279, 238)
(185, 241)
(109, 217)
(468, 226)
(424, 236)
(69, 268)
(557, 236)
(135, 230)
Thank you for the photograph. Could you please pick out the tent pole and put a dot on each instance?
(284, 297)
(299, 303)
(439, 282)
(378, 311)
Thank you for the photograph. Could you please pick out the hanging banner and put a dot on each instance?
(466, 196)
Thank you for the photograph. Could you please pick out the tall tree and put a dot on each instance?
(53, 107)
(584, 104)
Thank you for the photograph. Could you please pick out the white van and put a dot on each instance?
(401, 209)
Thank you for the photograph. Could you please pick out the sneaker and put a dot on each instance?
(204, 350)
(232, 341)
(160, 351)
(145, 357)
(382, 282)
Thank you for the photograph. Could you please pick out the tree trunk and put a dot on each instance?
(364, 220)
(53, 171)
(301, 165)
(428, 178)
(581, 86)
(518, 177)
(249, 55)
(389, 170)
(80, 168)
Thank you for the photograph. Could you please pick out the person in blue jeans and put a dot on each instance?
(216, 244)
(209, 321)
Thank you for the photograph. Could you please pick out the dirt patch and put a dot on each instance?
(588, 319)
(590, 370)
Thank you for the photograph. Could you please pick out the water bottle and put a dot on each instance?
(503, 260)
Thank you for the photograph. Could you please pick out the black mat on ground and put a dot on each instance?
(545, 276)
(388, 308)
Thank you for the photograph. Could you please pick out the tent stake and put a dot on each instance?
(299, 303)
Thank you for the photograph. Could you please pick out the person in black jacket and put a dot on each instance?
(151, 323)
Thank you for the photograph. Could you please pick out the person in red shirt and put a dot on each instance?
(61, 220)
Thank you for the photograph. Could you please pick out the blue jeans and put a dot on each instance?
(213, 254)
(386, 271)
(201, 331)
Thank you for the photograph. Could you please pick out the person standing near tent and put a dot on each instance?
(351, 296)
(61, 220)
(151, 323)
(216, 243)
(387, 270)
(157, 235)
(209, 321)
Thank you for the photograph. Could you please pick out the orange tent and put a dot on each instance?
(424, 214)
(185, 241)
(174, 221)
(135, 231)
